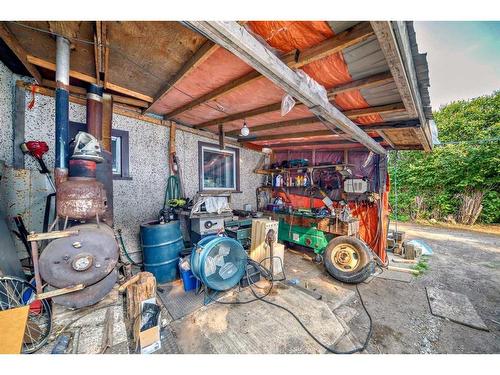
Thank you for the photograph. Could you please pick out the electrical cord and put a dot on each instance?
(268, 276)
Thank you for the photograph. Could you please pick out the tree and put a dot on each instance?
(460, 177)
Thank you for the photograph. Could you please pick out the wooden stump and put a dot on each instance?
(144, 288)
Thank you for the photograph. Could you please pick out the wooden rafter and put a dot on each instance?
(363, 83)
(240, 42)
(90, 79)
(201, 55)
(404, 75)
(294, 59)
(101, 53)
(391, 125)
(376, 80)
(352, 114)
(19, 51)
(340, 142)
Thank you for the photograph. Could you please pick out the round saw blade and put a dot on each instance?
(85, 258)
(89, 295)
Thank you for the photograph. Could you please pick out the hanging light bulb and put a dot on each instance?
(244, 130)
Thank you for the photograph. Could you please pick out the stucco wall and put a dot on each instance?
(6, 113)
(140, 198)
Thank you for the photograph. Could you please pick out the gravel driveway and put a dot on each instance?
(465, 262)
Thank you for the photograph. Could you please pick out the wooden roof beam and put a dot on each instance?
(90, 79)
(343, 142)
(201, 55)
(404, 74)
(19, 51)
(391, 125)
(373, 81)
(240, 42)
(294, 59)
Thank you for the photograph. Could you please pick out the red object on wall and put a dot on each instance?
(37, 148)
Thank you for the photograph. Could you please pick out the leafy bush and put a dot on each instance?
(431, 185)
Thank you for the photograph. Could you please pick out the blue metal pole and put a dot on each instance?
(62, 109)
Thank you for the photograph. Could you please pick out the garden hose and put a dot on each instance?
(122, 245)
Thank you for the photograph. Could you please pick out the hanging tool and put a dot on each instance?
(37, 149)
(175, 168)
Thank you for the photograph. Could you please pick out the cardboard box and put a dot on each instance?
(149, 339)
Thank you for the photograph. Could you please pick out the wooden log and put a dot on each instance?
(142, 289)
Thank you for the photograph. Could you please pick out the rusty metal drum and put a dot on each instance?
(85, 258)
(81, 198)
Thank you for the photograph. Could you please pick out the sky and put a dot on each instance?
(463, 57)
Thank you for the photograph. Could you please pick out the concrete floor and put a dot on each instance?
(465, 262)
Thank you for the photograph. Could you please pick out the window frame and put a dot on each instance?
(124, 160)
(216, 148)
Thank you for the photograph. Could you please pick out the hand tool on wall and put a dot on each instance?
(37, 149)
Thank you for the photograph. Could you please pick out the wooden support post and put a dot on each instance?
(34, 257)
(107, 121)
(222, 140)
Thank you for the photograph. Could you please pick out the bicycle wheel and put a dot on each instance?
(14, 293)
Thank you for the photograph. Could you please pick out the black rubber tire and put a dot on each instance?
(362, 271)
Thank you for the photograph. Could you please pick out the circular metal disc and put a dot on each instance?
(61, 261)
(88, 296)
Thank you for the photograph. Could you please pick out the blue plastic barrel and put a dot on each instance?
(161, 247)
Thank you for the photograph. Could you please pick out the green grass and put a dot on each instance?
(422, 265)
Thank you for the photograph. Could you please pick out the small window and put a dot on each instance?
(116, 150)
(120, 151)
(219, 169)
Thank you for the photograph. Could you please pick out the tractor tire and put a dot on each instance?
(348, 259)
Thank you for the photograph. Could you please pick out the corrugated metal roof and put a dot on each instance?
(422, 70)
(365, 59)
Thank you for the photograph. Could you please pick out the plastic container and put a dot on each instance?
(161, 247)
(189, 281)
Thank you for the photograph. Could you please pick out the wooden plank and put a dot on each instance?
(107, 121)
(19, 51)
(222, 137)
(98, 52)
(386, 138)
(348, 38)
(270, 137)
(409, 92)
(391, 125)
(372, 81)
(60, 292)
(130, 112)
(52, 235)
(341, 142)
(337, 43)
(200, 56)
(277, 106)
(277, 125)
(388, 108)
(87, 78)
